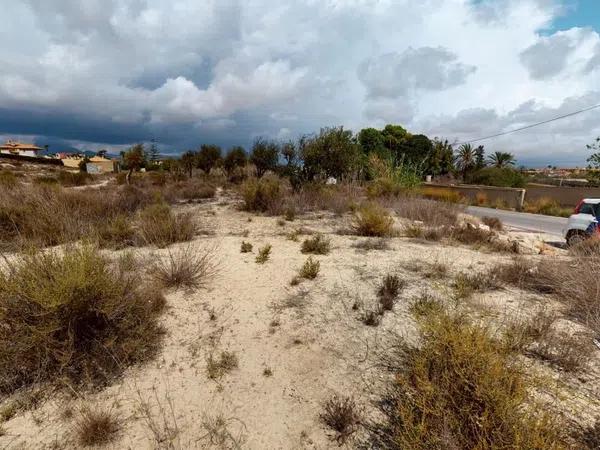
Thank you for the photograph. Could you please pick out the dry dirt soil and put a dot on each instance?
(296, 346)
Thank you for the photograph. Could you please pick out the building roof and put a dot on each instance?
(15, 145)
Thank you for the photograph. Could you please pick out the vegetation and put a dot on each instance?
(317, 245)
(246, 247)
(96, 427)
(373, 220)
(263, 254)
(263, 195)
(159, 226)
(342, 416)
(497, 176)
(389, 290)
(187, 267)
(73, 314)
(310, 269)
(218, 367)
(462, 389)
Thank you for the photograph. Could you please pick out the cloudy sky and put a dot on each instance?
(92, 74)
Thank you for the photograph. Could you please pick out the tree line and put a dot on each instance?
(332, 152)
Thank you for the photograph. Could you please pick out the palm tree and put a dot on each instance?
(502, 159)
(465, 159)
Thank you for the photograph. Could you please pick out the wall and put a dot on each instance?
(508, 197)
(564, 195)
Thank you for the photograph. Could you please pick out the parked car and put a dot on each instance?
(582, 223)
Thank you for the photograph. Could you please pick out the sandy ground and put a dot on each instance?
(309, 336)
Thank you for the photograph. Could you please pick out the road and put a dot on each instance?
(524, 221)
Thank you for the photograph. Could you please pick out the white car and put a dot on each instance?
(580, 222)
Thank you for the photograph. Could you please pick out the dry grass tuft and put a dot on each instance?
(217, 368)
(263, 254)
(246, 247)
(466, 284)
(372, 244)
(373, 220)
(462, 389)
(73, 314)
(317, 245)
(426, 305)
(94, 428)
(389, 290)
(159, 226)
(189, 267)
(430, 212)
(342, 416)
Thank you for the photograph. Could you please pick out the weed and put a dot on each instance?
(189, 267)
(389, 290)
(462, 389)
(74, 314)
(217, 368)
(372, 244)
(466, 285)
(372, 318)
(342, 416)
(117, 233)
(246, 247)
(373, 220)
(220, 435)
(267, 372)
(317, 245)
(263, 195)
(310, 269)
(96, 427)
(425, 306)
(519, 335)
(159, 226)
(569, 353)
(263, 254)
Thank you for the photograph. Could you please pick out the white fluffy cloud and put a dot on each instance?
(227, 70)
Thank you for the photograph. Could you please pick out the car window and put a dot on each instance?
(587, 208)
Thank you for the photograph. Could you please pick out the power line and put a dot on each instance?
(530, 126)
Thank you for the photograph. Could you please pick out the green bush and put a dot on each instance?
(496, 176)
(72, 314)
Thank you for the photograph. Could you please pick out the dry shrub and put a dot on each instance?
(191, 191)
(520, 334)
(463, 389)
(317, 245)
(96, 427)
(587, 247)
(73, 314)
(159, 226)
(547, 206)
(493, 222)
(217, 367)
(426, 305)
(414, 230)
(264, 253)
(8, 179)
(373, 220)
(339, 198)
(589, 436)
(372, 318)
(567, 352)
(246, 247)
(431, 213)
(372, 244)
(310, 269)
(389, 290)
(342, 416)
(466, 284)
(441, 194)
(73, 178)
(263, 195)
(117, 233)
(524, 274)
(471, 234)
(189, 267)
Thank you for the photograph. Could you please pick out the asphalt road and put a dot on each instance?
(524, 221)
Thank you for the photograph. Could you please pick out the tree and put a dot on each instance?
(441, 161)
(479, 158)
(594, 159)
(333, 153)
(265, 156)
(465, 159)
(502, 159)
(372, 142)
(208, 157)
(102, 153)
(234, 159)
(134, 159)
(188, 161)
(415, 150)
(394, 137)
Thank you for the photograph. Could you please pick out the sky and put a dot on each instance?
(95, 74)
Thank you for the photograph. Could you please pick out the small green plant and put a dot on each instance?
(263, 254)
(246, 247)
(317, 245)
(310, 269)
(426, 305)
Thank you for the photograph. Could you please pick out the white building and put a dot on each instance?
(20, 149)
